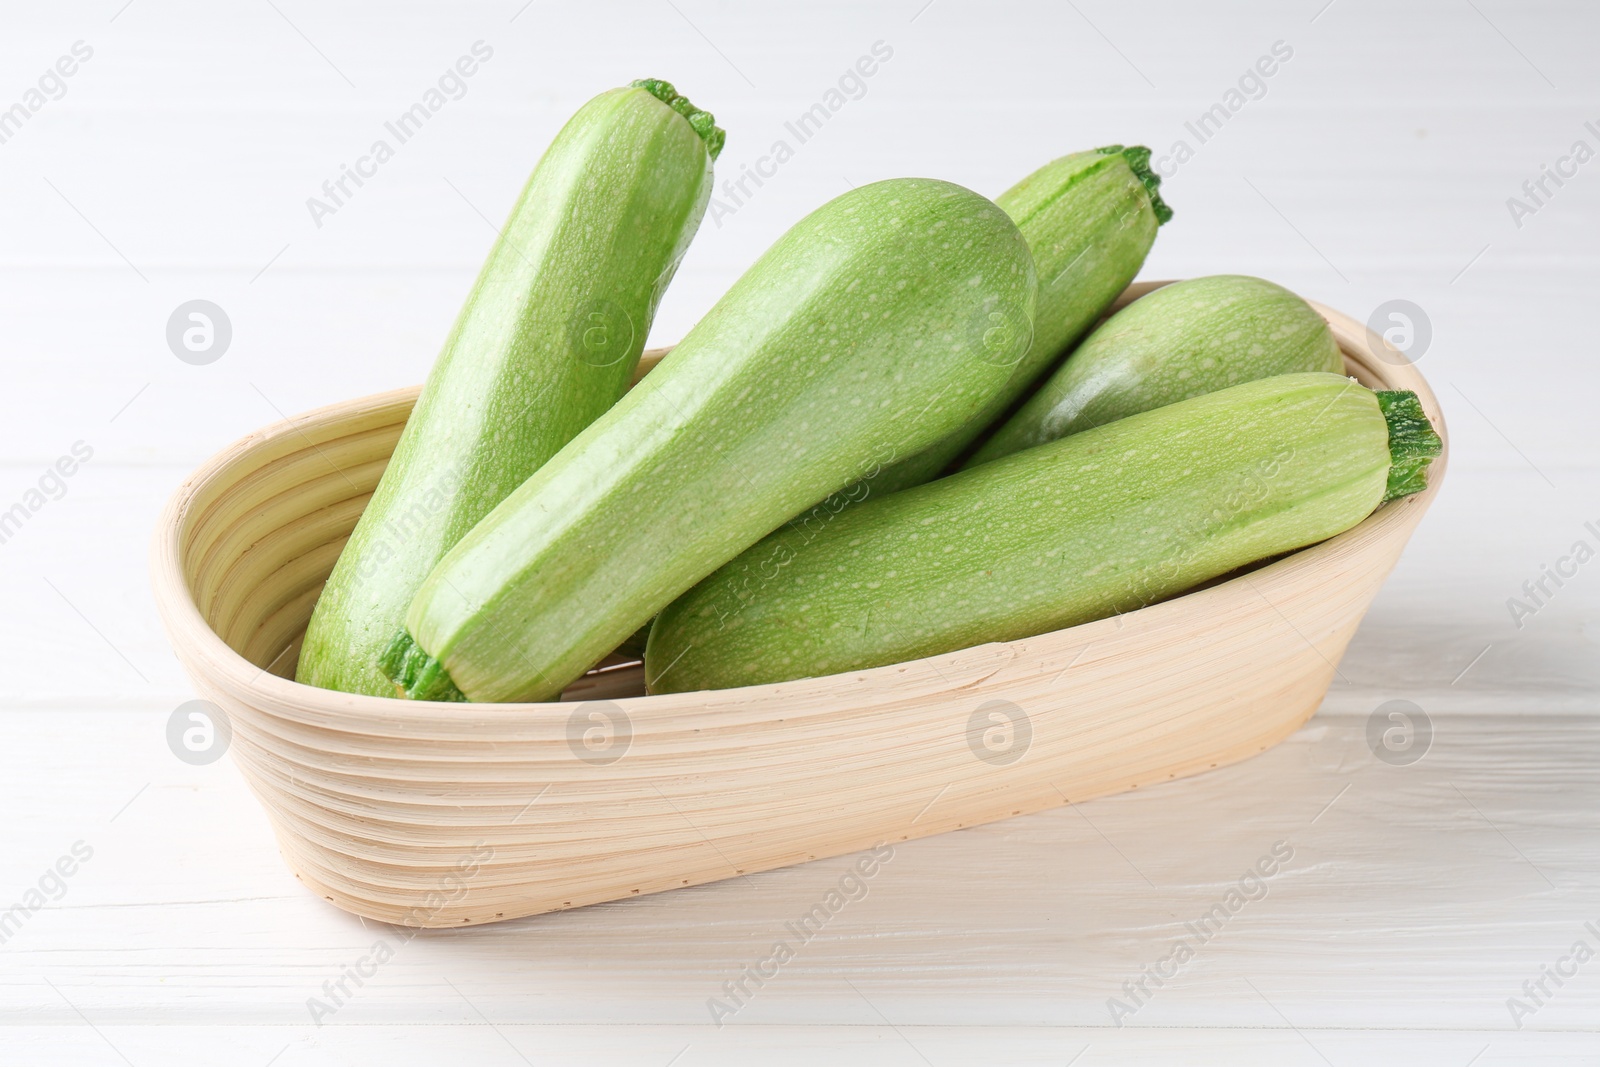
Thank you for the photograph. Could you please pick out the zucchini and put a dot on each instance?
(545, 343)
(878, 324)
(1078, 529)
(1181, 340)
(1089, 218)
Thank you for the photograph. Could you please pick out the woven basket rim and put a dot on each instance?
(234, 673)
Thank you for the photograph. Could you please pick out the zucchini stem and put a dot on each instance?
(704, 122)
(1413, 443)
(1138, 159)
(415, 674)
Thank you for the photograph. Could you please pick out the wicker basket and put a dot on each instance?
(434, 814)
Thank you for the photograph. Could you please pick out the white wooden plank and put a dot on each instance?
(304, 339)
(1416, 897)
(492, 1041)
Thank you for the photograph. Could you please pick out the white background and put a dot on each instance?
(1377, 166)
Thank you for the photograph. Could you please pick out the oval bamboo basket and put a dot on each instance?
(431, 814)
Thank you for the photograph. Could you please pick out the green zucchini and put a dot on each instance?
(877, 325)
(1181, 340)
(1078, 529)
(546, 342)
(1089, 218)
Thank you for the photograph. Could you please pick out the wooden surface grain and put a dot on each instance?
(1377, 166)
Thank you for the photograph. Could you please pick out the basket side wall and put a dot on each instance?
(441, 815)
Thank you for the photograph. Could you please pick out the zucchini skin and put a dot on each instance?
(545, 343)
(878, 324)
(1180, 341)
(1090, 219)
(1078, 529)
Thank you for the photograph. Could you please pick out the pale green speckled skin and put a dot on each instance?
(874, 327)
(1079, 529)
(1089, 222)
(1182, 340)
(602, 223)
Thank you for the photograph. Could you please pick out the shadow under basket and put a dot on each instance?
(433, 814)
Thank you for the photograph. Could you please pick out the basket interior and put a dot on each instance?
(258, 547)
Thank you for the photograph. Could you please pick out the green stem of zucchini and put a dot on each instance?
(1413, 443)
(705, 123)
(417, 675)
(1138, 157)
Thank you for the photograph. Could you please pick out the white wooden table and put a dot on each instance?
(1422, 903)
